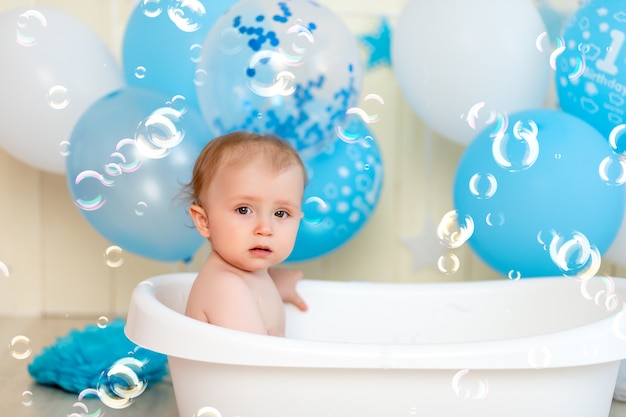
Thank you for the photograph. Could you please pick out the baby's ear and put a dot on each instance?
(200, 219)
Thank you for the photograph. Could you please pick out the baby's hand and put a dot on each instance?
(286, 280)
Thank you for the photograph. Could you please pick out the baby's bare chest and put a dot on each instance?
(270, 305)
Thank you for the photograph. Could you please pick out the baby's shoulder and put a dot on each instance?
(221, 282)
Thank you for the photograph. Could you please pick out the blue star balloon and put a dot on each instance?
(378, 45)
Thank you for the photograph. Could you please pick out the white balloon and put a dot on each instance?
(464, 64)
(53, 68)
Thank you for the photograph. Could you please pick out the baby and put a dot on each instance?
(247, 192)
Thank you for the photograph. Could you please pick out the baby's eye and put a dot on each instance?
(243, 210)
(281, 213)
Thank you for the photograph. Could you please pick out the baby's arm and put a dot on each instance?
(227, 303)
(286, 280)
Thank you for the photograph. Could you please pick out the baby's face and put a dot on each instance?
(254, 213)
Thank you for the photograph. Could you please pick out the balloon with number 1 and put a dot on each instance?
(591, 69)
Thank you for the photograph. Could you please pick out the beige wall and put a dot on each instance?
(55, 259)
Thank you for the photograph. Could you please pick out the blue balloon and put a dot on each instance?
(163, 43)
(130, 154)
(291, 68)
(345, 181)
(591, 70)
(543, 195)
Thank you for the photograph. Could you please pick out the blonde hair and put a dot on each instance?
(238, 147)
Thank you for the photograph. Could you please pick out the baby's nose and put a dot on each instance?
(264, 227)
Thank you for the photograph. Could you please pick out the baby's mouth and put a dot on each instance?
(261, 250)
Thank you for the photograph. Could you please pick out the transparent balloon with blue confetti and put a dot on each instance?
(291, 68)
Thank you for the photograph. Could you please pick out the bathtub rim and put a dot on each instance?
(143, 330)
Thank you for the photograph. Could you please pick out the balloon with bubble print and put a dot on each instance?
(289, 67)
(590, 71)
(544, 193)
(345, 181)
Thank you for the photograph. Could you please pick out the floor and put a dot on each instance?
(21, 397)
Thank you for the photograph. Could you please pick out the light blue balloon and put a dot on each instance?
(163, 43)
(130, 154)
(590, 65)
(287, 67)
(345, 181)
(543, 194)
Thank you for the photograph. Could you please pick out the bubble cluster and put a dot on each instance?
(186, 14)
(600, 290)
(120, 384)
(454, 232)
(356, 137)
(574, 255)
(154, 137)
(518, 154)
(612, 170)
(83, 407)
(477, 115)
(159, 133)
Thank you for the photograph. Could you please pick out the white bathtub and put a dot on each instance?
(543, 347)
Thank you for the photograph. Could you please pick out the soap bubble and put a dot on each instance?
(151, 8)
(469, 385)
(4, 269)
(113, 256)
(103, 321)
(120, 384)
(575, 255)
(57, 97)
(31, 26)
(186, 14)
(619, 324)
(483, 186)
(20, 347)
(600, 290)
(514, 275)
(448, 263)
(453, 233)
(539, 357)
(207, 412)
(27, 398)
